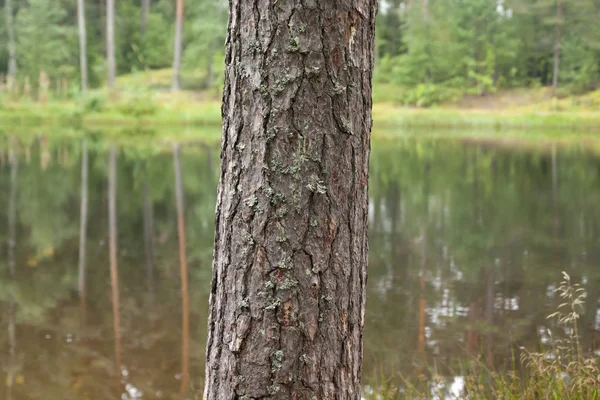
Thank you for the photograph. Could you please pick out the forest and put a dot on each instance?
(427, 52)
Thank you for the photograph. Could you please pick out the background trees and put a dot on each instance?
(433, 50)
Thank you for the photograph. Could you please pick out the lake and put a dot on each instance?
(468, 241)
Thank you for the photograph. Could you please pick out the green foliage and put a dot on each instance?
(95, 102)
(139, 106)
(430, 52)
(479, 46)
(44, 43)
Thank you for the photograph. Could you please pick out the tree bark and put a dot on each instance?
(82, 45)
(557, 47)
(177, 53)
(12, 58)
(290, 261)
(110, 42)
(145, 12)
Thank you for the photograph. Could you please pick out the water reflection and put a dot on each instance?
(467, 241)
(467, 244)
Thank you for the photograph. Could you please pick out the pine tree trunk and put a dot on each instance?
(145, 12)
(12, 58)
(557, 47)
(110, 42)
(82, 45)
(290, 262)
(177, 53)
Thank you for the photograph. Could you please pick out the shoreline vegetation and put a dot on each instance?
(143, 99)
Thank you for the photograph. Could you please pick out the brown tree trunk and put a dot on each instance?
(110, 42)
(557, 47)
(290, 262)
(82, 45)
(145, 12)
(12, 58)
(178, 44)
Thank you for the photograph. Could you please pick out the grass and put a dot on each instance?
(561, 370)
(144, 99)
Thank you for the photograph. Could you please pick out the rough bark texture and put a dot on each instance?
(110, 42)
(178, 37)
(290, 262)
(10, 26)
(82, 45)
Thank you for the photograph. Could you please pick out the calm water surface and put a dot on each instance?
(467, 243)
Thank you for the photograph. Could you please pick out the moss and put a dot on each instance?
(251, 201)
(276, 361)
(316, 185)
(338, 89)
(273, 306)
(282, 211)
(294, 44)
(288, 283)
(274, 389)
(285, 263)
(281, 239)
(244, 303)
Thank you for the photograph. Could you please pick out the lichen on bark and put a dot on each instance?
(289, 273)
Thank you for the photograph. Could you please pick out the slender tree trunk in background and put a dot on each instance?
(12, 206)
(290, 262)
(110, 42)
(145, 12)
(114, 267)
(183, 269)
(557, 47)
(83, 224)
(82, 45)
(12, 57)
(148, 237)
(177, 53)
